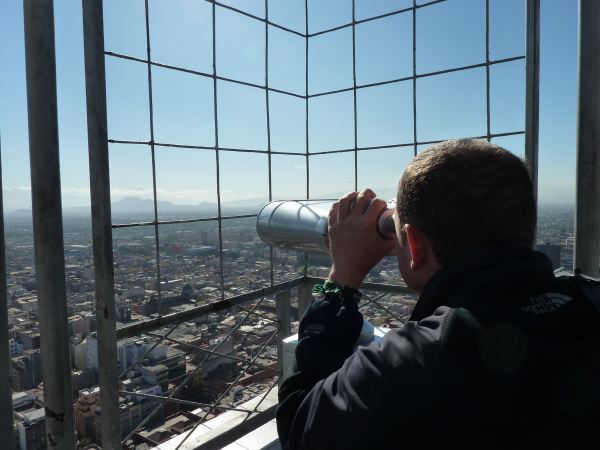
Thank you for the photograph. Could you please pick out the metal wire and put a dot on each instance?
(306, 124)
(191, 374)
(183, 402)
(217, 158)
(161, 338)
(262, 316)
(200, 73)
(306, 105)
(152, 152)
(201, 147)
(410, 144)
(375, 301)
(423, 75)
(222, 396)
(144, 326)
(368, 300)
(179, 221)
(265, 394)
(206, 350)
(354, 93)
(414, 75)
(258, 354)
(381, 16)
(487, 69)
(271, 277)
(266, 20)
(228, 389)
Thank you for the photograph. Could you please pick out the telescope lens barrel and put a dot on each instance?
(302, 225)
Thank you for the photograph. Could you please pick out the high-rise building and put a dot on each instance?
(15, 348)
(29, 338)
(26, 370)
(567, 253)
(85, 411)
(30, 418)
(132, 410)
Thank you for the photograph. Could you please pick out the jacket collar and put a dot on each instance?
(486, 272)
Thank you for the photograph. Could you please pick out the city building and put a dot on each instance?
(26, 370)
(85, 411)
(15, 347)
(30, 421)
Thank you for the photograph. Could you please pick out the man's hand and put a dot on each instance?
(355, 245)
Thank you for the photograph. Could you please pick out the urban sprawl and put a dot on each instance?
(210, 354)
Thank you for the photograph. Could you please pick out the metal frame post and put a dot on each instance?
(6, 406)
(532, 86)
(587, 217)
(93, 33)
(47, 222)
(304, 298)
(283, 310)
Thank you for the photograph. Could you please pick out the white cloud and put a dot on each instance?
(131, 192)
(18, 188)
(77, 191)
(190, 196)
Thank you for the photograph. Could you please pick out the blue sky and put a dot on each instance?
(449, 34)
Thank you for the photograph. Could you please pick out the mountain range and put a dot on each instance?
(129, 206)
(141, 207)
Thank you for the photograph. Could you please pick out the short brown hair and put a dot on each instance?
(465, 194)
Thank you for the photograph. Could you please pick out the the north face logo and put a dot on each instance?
(546, 303)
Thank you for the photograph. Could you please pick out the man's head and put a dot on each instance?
(457, 196)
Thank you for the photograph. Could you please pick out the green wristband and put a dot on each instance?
(344, 292)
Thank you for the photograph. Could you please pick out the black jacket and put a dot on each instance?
(498, 354)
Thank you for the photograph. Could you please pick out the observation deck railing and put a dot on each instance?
(40, 35)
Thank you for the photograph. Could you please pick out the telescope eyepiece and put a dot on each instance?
(385, 224)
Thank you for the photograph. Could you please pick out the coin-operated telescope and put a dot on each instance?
(302, 224)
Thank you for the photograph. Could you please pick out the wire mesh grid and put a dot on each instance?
(152, 144)
(395, 307)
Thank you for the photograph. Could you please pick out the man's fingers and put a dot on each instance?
(362, 201)
(376, 208)
(333, 214)
(345, 204)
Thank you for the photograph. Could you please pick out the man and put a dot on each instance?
(498, 353)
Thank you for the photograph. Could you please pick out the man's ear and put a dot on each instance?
(419, 247)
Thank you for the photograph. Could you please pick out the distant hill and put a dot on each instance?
(134, 206)
(22, 212)
(138, 207)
